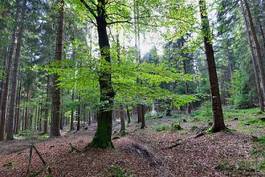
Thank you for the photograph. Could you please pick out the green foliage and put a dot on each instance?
(204, 112)
(241, 96)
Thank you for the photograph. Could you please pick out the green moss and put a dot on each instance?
(102, 138)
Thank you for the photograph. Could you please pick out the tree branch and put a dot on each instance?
(88, 8)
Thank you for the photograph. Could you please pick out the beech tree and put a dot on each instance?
(218, 118)
(103, 134)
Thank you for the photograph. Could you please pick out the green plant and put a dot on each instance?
(117, 171)
(204, 112)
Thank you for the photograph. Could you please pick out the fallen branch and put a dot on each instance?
(179, 142)
(199, 135)
(74, 149)
(46, 167)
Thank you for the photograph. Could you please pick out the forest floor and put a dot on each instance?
(163, 149)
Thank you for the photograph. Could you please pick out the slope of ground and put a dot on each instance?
(142, 153)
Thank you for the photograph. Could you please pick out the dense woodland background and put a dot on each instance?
(68, 64)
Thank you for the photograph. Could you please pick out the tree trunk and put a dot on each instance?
(13, 79)
(256, 43)
(142, 116)
(187, 90)
(26, 117)
(128, 115)
(17, 113)
(102, 138)
(254, 64)
(139, 113)
(89, 118)
(4, 94)
(122, 119)
(218, 119)
(46, 109)
(78, 115)
(72, 113)
(56, 100)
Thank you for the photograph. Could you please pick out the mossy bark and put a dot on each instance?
(102, 138)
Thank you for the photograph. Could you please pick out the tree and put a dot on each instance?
(102, 138)
(14, 74)
(259, 60)
(8, 64)
(56, 100)
(218, 118)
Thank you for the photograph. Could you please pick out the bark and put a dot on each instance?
(4, 94)
(187, 90)
(56, 97)
(26, 117)
(46, 108)
(102, 138)
(72, 113)
(256, 43)
(78, 116)
(139, 115)
(122, 119)
(128, 115)
(218, 119)
(255, 65)
(13, 78)
(89, 118)
(17, 113)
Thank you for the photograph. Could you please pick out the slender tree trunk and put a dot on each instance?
(17, 113)
(102, 138)
(4, 94)
(255, 65)
(56, 100)
(128, 115)
(46, 107)
(26, 117)
(72, 113)
(256, 43)
(89, 118)
(122, 119)
(78, 115)
(187, 91)
(143, 116)
(218, 118)
(13, 79)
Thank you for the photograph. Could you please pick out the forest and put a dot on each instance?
(132, 88)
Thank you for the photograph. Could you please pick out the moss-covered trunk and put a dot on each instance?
(102, 138)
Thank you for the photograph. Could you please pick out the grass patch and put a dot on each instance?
(173, 127)
(116, 171)
(29, 134)
(150, 116)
